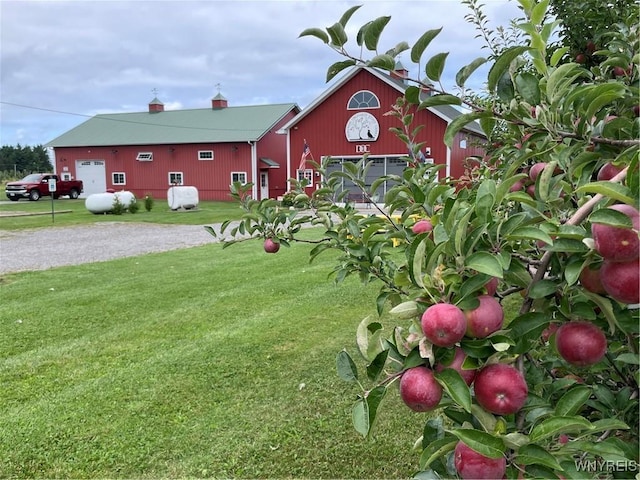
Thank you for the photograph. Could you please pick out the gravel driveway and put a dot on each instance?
(43, 248)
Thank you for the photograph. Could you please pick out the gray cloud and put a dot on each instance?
(86, 57)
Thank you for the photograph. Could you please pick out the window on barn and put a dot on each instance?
(205, 155)
(363, 99)
(145, 156)
(175, 178)
(306, 175)
(118, 178)
(240, 177)
(66, 176)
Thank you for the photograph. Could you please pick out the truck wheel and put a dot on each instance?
(34, 195)
(74, 193)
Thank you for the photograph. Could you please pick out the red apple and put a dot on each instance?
(615, 243)
(608, 171)
(500, 389)
(518, 186)
(636, 110)
(581, 58)
(444, 324)
(419, 389)
(590, 280)
(619, 71)
(271, 246)
(422, 226)
(473, 465)
(486, 319)
(492, 286)
(581, 343)
(535, 170)
(468, 375)
(621, 280)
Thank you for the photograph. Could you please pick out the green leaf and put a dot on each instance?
(535, 454)
(556, 425)
(347, 15)
(561, 80)
(416, 254)
(527, 86)
(529, 325)
(360, 417)
(505, 90)
(609, 216)
(437, 450)
(441, 99)
(530, 233)
(538, 12)
(603, 95)
(377, 365)
(337, 34)
(435, 66)
(502, 64)
(385, 62)
(605, 424)
(572, 401)
(422, 43)
(460, 122)
(374, 31)
(557, 56)
(465, 72)
(315, 32)
(484, 262)
(373, 399)
(347, 369)
(337, 67)
(486, 419)
(455, 387)
(542, 288)
(482, 442)
(608, 189)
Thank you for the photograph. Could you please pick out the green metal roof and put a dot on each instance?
(205, 125)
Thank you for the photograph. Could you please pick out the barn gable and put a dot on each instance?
(350, 119)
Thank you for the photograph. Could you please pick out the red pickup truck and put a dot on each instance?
(36, 185)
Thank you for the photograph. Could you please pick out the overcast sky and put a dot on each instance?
(64, 61)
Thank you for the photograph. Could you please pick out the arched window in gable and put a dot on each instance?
(362, 100)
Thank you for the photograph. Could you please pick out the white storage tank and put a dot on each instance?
(103, 202)
(181, 196)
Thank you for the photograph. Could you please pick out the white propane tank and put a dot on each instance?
(103, 202)
(125, 198)
(181, 196)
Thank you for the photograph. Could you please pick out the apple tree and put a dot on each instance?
(508, 299)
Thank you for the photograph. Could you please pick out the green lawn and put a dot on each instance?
(206, 213)
(199, 362)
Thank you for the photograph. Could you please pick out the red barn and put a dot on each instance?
(348, 120)
(208, 148)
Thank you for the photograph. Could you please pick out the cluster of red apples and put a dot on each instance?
(500, 388)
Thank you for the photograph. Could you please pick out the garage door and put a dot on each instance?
(93, 176)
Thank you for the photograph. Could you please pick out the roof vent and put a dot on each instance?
(156, 106)
(400, 72)
(218, 102)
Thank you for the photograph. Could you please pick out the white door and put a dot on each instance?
(93, 176)
(264, 185)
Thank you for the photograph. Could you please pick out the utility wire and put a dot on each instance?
(105, 117)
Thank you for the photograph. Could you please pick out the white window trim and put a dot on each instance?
(124, 178)
(175, 174)
(201, 152)
(306, 174)
(65, 176)
(145, 157)
(239, 173)
(363, 108)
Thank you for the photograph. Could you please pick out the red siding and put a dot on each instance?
(211, 177)
(324, 128)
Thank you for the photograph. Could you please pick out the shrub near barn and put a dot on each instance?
(551, 390)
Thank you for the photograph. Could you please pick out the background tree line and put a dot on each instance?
(15, 162)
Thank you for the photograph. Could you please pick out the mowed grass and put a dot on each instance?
(200, 362)
(66, 212)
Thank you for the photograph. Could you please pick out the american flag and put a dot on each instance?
(306, 151)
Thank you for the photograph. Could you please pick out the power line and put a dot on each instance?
(103, 117)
